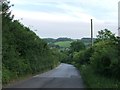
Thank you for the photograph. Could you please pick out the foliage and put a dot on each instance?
(100, 63)
(76, 46)
(94, 80)
(63, 56)
(63, 39)
(87, 41)
(103, 56)
(105, 35)
(23, 52)
(49, 40)
(104, 59)
(83, 57)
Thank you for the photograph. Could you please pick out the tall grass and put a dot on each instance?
(92, 80)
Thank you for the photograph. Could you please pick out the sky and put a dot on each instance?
(66, 18)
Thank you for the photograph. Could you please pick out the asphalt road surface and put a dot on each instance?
(63, 76)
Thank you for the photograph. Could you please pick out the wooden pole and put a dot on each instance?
(91, 32)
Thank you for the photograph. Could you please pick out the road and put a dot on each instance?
(63, 76)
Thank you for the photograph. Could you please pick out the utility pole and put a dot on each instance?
(91, 32)
(119, 18)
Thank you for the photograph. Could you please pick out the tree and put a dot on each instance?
(104, 35)
(76, 46)
(6, 13)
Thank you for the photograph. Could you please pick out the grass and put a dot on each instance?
(64, 44)
(93, 80)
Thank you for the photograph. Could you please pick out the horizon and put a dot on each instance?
(68, 38)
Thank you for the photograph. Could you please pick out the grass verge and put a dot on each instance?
(93, 80)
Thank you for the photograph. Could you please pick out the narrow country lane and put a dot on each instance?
(63, 76)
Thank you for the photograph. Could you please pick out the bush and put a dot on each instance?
(77, 46)
(7, 75)
(93, 80)
(83, 57)
(104, 59)
(100, 64)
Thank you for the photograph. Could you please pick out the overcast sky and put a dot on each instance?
(66, 18)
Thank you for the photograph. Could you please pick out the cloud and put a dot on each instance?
(71, 13)
(86, 10)
(56, 18)
(44, 16)
(66, 29)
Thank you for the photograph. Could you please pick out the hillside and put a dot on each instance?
(59, 42)
(64, 44)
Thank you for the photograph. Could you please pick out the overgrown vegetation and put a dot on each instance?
(100, 64)
(75, 47)
(23, 52)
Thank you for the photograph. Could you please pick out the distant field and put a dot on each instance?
(64, 44)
